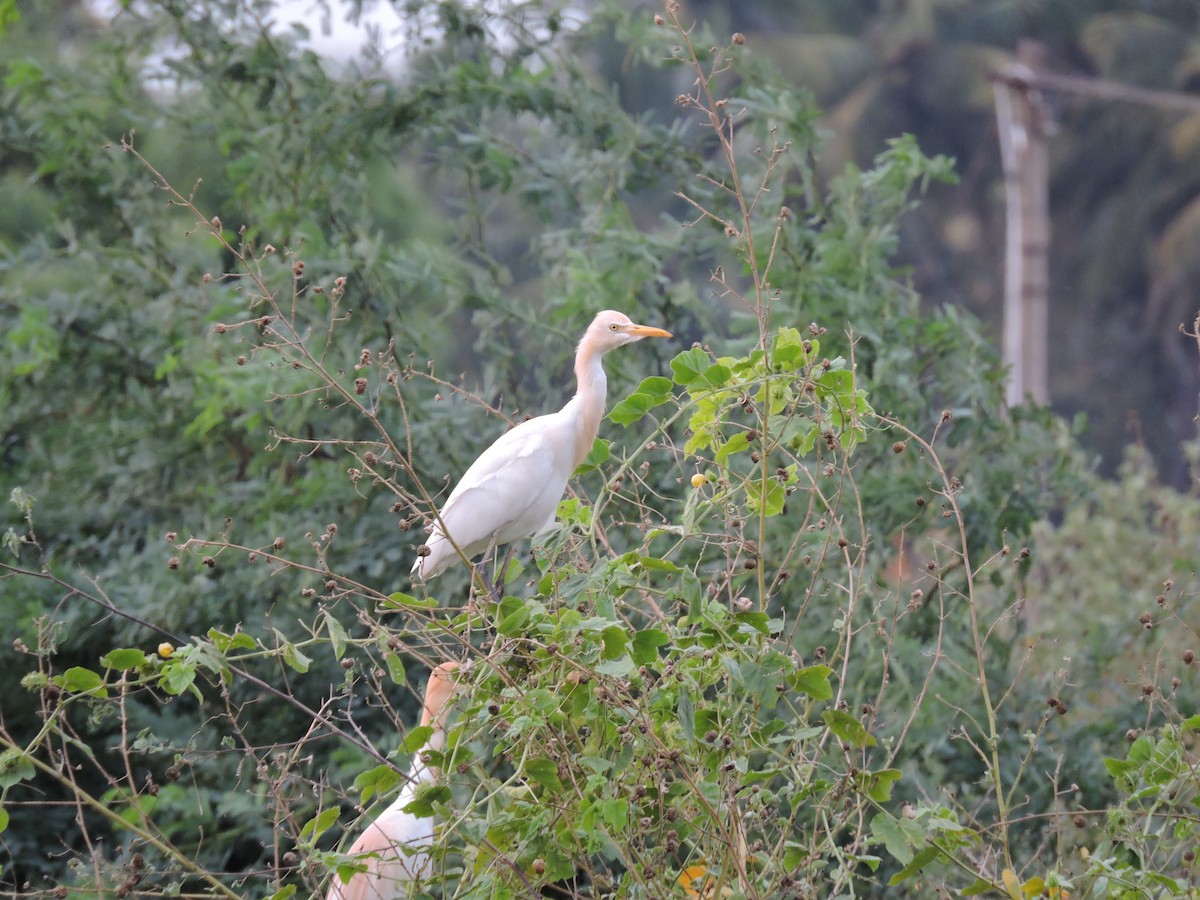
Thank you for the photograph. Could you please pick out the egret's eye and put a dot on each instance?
(613, 327)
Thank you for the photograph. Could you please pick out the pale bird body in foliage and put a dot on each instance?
(395, 847)
(513, 489)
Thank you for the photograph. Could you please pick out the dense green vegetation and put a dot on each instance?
(258, 314)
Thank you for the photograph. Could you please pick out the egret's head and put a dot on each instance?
(613, 329)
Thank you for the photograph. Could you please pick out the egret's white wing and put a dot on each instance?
(509, 492)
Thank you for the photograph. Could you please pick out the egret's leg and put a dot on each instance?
(501, 573)
(479, 582)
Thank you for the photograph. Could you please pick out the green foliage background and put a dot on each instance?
(824, 671)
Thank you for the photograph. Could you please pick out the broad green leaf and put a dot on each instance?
(632, 408)
(416, 738)
(320, 823)
(3, 819)
(847, 728)
(766, 499)
(645, 645)
(756, 622)
(657, 387)
(295, 657)
(615, 812)
(788, 348)
(285, 893)
(714, 376)
(135, 809)
(878, 785)
(919, 862)
(178, 675)
(80, 680)
(375, 780)
(794, 854)
(687, 366)
(812, 680)
(123, 659)
(225, 642)
(597, 456)
(514, 622)
(615, 640)
(616, 667)
(424, 799)
(544, 772)
(15, 766)
(886, 830)
(735, 444)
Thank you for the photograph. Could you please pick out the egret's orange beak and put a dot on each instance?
(646, 331)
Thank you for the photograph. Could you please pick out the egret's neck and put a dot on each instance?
(589, 400)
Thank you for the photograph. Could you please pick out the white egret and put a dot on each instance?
(395, 847)
(512, 490)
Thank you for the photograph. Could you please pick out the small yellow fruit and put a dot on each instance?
(699, 480)
(165, 650)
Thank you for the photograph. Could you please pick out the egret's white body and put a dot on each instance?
(395, 847)
(512, 490)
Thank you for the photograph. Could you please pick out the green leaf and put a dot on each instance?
(15, 766)
(80, 680)
(123, 659)
(919, 862)
(3, 819)
(422, 805)
(687, 366)
(615, 812)
(615, 639)
(979, 887)
(656, 386)
(714, 376)
(400, 599)
(514, 622)
(766, 499)
(284, 893)
(320, 823)
(178, 675)
(618, 668)
(645, 645)
(813, 680)
(295, 657)
(847, 728)
(597, 456)
(886, 830)
(337, 635)
(225, 642)
(395, 667)
(632, 408)
(654, 564)
(416, 738)
(544, 772)
(788, 348)
(878, 785)
(687, 715)
(735, 444)
(375, 780)
(753, 622)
